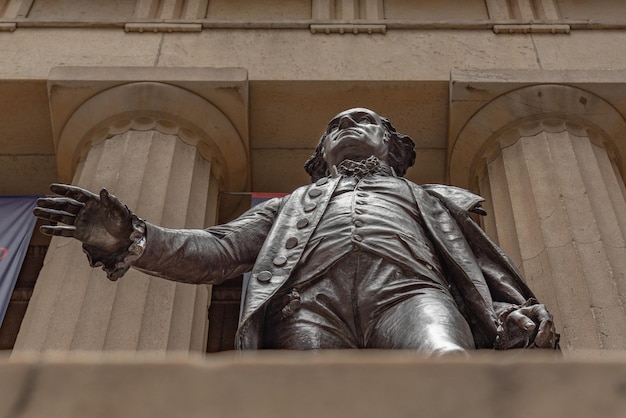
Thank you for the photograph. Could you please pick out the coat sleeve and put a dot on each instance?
(209, 255)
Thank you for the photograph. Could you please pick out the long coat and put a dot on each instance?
(481, 276)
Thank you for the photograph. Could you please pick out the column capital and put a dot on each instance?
(207, 108)
(488, 114)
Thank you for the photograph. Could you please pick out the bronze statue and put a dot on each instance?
(360, 258)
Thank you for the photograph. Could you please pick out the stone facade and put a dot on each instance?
(199, 101)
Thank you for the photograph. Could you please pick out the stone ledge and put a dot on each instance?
(163, 27)
(329, 384)
(7, 27)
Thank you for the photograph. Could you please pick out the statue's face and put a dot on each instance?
(355, 134)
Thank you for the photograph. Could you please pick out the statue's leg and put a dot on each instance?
(429, 322)
(317, 313)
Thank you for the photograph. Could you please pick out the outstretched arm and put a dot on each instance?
(114, 238)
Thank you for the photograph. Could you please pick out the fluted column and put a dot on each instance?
(166, 182)
(559, 204)
(164, 152)
(547, 159)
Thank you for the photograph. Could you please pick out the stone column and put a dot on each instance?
(165, 167)
(558, 204)
(168, 183)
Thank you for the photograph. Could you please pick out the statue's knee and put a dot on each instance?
(449, 350)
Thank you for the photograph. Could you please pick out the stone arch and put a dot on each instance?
(500, 120)
(155, 106)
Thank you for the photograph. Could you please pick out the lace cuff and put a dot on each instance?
(117, 264)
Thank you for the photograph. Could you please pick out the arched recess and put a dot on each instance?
(155, 106)
(496, 123)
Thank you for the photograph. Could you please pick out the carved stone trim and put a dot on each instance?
(533, 28)
(348, 28)
(162, 27)
(162, 107)
(526, 111)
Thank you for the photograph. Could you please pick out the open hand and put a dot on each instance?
(99, 221)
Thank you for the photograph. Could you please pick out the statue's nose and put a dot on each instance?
(346, 122)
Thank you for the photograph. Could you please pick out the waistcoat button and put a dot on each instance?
(264, 276)
(280, 260)
(291, 242)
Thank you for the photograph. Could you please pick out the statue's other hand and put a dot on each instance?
(98, 221)
(529, 326)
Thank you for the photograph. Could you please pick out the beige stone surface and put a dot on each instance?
(31, 54)
(25, 121)
(298, 55)
(26, 174)
(84, 10)
(439, 10)
(329, 384)
(263, 9)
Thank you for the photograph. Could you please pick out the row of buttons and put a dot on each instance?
(358, 211)
(265, 276)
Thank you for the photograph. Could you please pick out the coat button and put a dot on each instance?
(315, 192)
(321, 181)
(309, 207)
(357, 237)
(291, 242)
(302, 223)
(358, 223)
(264, 276)
(280, 260)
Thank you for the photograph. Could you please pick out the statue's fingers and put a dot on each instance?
(546, 336)
(61, 203)
(539, 313)
(521, 321)
(74, 192)
(55, 215)
(56, 230)
(44, 214)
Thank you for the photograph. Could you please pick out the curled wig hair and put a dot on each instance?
(401, 154)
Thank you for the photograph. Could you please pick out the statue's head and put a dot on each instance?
(357, 134)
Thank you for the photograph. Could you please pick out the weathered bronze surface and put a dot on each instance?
(360, 258)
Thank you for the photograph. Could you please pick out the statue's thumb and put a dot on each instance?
(108, 200)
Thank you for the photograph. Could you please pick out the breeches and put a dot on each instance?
(366, 301)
